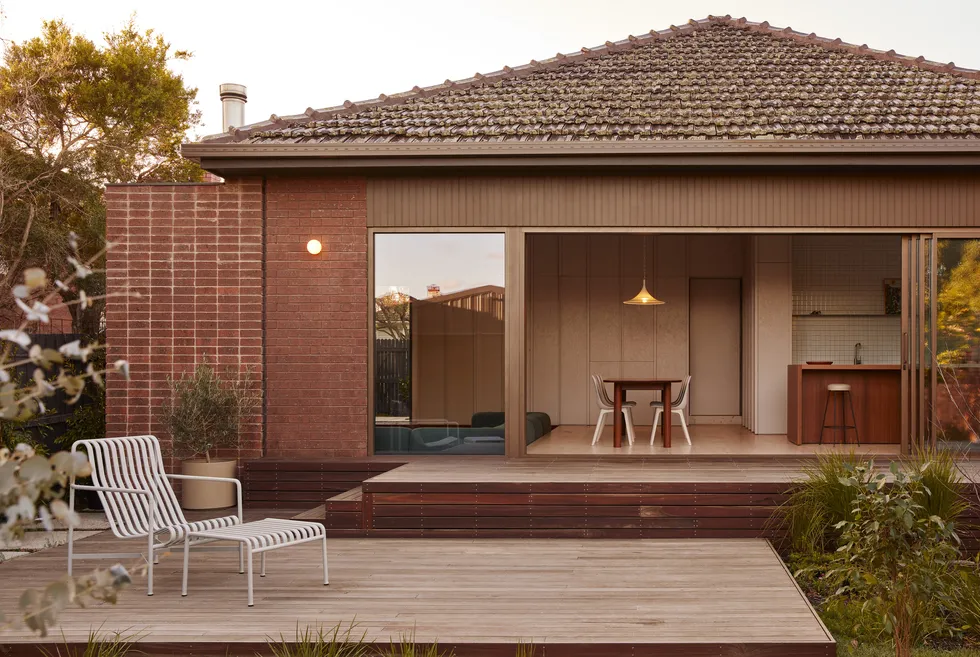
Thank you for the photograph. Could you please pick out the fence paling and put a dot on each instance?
(392, 367)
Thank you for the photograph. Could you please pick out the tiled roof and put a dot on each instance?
(713, 79)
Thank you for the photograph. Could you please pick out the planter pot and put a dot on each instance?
(208, 494)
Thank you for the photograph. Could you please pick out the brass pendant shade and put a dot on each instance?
(644, 298)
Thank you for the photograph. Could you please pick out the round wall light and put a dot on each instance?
(314, 247)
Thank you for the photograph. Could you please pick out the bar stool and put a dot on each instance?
(842, 392)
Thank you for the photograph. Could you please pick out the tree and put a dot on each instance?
(392, 315)
(75, 116)
(958, 338)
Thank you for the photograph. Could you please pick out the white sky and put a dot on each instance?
(296, 54)
(453, 261)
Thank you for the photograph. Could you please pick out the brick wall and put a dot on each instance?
(316, 317)
(194, 253)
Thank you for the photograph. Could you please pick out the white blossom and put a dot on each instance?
(19, 338)
(36, 313)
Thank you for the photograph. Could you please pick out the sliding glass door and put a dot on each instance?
(916, 338)
(955, 366)
(940, 297)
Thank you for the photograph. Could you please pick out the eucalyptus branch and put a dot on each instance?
(41, 394)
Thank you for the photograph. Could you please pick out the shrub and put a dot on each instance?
(894, 556)
(941, 493)
(205, 412)
(818, 503)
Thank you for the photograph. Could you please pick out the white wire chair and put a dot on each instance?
(128, 475)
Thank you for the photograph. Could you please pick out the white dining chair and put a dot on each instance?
(677, 407)
(606, 407)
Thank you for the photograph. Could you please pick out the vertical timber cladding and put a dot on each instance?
(779, 202)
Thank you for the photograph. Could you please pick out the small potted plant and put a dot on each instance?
(204, 413)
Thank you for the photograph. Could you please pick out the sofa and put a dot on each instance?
(538, 424)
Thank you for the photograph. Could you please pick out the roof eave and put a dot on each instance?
(439, 155)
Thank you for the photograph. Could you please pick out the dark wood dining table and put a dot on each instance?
(620, 386)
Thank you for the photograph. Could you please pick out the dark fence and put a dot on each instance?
(53, 422)
(392, 377)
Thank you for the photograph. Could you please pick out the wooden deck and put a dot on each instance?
(490, 497)
(477, 597)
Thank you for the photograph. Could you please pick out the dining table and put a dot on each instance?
(621, 385)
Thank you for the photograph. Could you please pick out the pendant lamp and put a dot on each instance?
(644, 298)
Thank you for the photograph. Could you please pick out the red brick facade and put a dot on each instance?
(194, 253)
(316, 317)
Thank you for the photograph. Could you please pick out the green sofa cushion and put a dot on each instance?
(487, 419)
(542, 420)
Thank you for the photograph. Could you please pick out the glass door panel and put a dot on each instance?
(955, 417)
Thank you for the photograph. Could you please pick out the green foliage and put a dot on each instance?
(958, 308)
(894, 557)
(16, 432)
(316, 642)
(114, 644)
(940, 494)
(408, 647)
(205, 412)
(77, 115)
(818, 503)
(342, 642)
(110, 113)
(809, 570)
(853, 622)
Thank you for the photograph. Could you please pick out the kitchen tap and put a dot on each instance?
(857, 353)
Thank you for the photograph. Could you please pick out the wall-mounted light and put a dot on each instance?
(314, 247)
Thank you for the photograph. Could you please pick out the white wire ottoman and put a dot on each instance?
(259, 537)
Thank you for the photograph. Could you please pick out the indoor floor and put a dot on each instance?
(706, 439)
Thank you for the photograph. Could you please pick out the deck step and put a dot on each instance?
(344, 513)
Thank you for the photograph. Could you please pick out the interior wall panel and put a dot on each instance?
(577, 318)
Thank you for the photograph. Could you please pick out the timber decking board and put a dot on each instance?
(479, 597)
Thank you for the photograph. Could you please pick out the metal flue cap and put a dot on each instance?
(233, 99)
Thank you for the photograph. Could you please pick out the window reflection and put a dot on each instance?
(957, 354)
(439, 343)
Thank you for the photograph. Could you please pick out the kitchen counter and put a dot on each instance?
(876, 393)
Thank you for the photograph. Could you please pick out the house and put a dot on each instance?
(789, 198)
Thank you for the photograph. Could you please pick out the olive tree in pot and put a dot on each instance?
(205, 412)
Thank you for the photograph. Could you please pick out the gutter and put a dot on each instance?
(246, 156)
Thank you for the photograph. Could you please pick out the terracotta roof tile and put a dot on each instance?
(714, 79)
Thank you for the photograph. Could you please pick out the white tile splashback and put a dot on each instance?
(833, 338)
(843, 277)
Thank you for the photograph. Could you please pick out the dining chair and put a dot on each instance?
(678, 407)
(606, 406)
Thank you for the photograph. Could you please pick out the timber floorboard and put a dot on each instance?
(478, 597)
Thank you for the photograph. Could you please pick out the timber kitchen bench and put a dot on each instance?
(875, 391)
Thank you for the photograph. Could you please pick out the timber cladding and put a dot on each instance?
(778, 202)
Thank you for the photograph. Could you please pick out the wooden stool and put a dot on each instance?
(840, 391)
